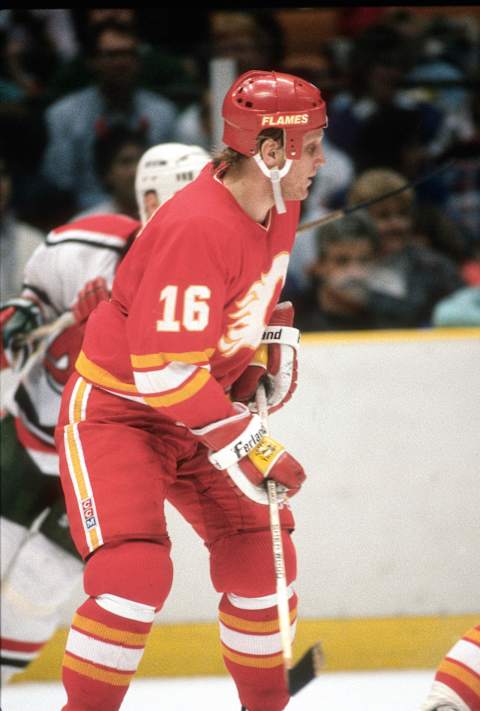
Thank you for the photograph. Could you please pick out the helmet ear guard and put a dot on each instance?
(166, 168)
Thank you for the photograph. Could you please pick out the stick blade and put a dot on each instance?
(309, 666)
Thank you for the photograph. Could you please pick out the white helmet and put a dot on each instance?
(164, 169)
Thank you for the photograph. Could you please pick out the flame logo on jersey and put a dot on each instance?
(249, 320)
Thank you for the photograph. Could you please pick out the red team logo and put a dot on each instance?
(61, 355)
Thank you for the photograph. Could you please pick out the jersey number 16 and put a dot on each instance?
(196, 310)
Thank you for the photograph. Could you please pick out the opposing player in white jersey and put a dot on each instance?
(71, 272)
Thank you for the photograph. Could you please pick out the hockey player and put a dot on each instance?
(456, 686)
(73, 270)
(152, 405)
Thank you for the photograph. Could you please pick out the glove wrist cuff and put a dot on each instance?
(281, 335)
(241, 446)
(244, 431)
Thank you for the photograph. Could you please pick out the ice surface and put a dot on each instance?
(340, 691)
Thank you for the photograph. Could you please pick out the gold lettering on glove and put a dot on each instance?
(265, 454)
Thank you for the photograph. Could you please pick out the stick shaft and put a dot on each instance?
(277, 549)
(42, 333)
(339, 214)
(64, 321)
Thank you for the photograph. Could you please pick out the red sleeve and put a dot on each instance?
(174, 323)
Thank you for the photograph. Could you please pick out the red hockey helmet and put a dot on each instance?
(261, 99)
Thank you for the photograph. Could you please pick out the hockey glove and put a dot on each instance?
(274, 362)
(18, 318)
(94, 291)
(240, 445)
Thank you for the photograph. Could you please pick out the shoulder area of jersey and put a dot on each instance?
(107, 225)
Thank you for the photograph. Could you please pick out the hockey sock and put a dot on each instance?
(252, 650)
(457, 680)
(105, 644)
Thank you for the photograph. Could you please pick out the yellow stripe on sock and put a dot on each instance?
(473, 635)
(134, 639)
(462, 674)
(264, 662)
(90, 670)
(268, 626)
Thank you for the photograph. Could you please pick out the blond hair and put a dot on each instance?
(377, 181)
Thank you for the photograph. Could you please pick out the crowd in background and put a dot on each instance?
(84, 92)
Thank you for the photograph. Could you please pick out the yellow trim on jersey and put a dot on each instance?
(87, 669)
(260, 662)
(135, 639)
(183, 393)
(252, 625)
(102, 377)
(152, 360)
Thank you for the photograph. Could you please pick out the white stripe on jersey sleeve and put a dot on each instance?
(169, 377)
(86, 236)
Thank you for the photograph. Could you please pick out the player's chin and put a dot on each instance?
(299, 194)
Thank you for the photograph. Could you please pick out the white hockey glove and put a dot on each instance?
(274, 362)
(240, 446)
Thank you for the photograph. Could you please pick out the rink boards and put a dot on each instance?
(387, 426)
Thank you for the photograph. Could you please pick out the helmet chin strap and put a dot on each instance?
(275, 175)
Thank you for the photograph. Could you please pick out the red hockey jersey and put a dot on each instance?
(189, 303)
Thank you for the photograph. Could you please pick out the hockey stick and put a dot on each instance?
(339, 214)
(41, 333)
(312, 661)
(64, 321)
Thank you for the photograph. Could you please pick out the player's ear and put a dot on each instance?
(271, 152)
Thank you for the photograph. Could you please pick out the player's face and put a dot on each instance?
(296, 184)
(393, 220)
(150, 202)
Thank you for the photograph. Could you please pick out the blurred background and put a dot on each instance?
(387, 419)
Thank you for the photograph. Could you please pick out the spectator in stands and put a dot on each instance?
(338, 299)
(330, 185)
(171, 74)
(372, 120)
(462, 308)
(461, 145)
(409, 279)
(74, 121)
(17, 240)
(37, 42)
(116, 154)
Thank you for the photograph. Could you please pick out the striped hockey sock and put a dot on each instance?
(458, 675)
(103, 651)
(252, 650)
(457, 681)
